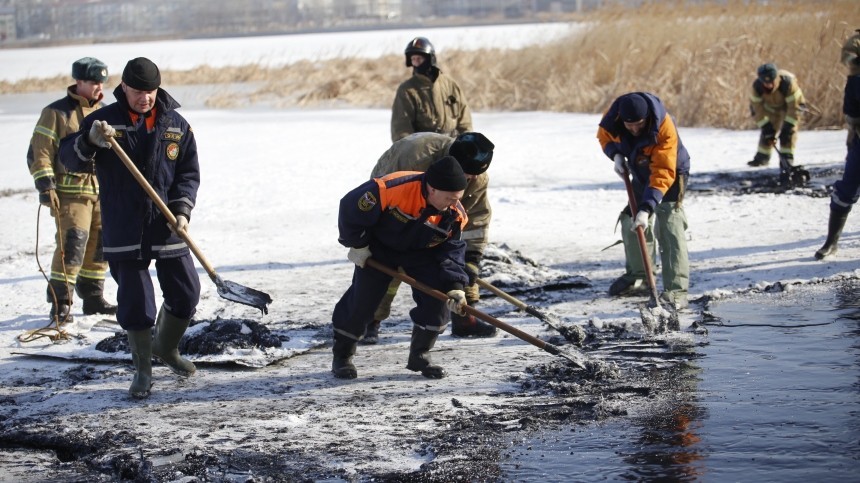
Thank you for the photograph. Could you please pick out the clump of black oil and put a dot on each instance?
(770, 395)
(216, 337)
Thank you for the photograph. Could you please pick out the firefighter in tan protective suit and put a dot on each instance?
(776, 102)
(73, 198)
(429, 101)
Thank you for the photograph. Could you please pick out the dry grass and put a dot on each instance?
(700, 59)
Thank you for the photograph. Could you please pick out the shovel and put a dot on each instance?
(577, 359)
(229, 290)
(653, 315)
(571, 334)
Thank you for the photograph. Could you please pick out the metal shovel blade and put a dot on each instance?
(244, 295)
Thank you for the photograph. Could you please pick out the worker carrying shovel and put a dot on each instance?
(145, 124)
(412, 220)
(639, 135)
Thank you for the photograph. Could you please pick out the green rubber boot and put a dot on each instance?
(140, 345)
(169, 330)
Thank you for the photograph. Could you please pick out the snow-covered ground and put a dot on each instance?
(266, 218)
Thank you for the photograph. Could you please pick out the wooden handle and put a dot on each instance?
(163, 207)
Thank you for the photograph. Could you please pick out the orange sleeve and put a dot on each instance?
(664, 156)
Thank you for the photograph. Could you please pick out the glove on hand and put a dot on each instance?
(619, 165)
(49, 199)
(99, 134)
(359, 256)
(768, 132)
(641, 220)
(181, 225)
(473, 271)
(456, 302)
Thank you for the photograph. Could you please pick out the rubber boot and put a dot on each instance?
(834, 231)
(371, 334)
(419, 354)
(140, 345)
(169, 330)
(61, 312)
(59, 296)
(91, 292)
(341, 364)
(469, 326)
(759, 160)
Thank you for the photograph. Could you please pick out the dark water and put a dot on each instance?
(775, 396)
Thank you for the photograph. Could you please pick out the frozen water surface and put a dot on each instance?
(773, 397)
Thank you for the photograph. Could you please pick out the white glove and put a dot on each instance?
(181, 225)
(99, 134)
(456, 302)
(619, 165)
(641, 220)
(359, 256)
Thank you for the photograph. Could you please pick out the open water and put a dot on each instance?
(774, 395)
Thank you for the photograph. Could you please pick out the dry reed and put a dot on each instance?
(699, 58)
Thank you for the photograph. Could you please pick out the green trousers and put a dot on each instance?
(669, 230)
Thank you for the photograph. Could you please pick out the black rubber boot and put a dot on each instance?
(834, 231)
(169, 330)
(371, 334)
(61, 312)
(140, 345)
(786, 168)
(759, 160)
(468, 326)
(419, 354)
(341, 364)
(91, 292)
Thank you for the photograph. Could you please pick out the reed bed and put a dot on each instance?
(700, 59)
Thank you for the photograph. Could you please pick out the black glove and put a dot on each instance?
(786, 133)
(768, 132)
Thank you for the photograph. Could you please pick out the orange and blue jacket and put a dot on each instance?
(391, 215)
(657, 158)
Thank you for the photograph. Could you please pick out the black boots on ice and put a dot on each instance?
(834, 231)
(419, 354)
(341, 364)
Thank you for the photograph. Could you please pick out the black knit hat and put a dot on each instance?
(632, 108)
(446, 175)
(91, 69)
(474, 152)
(141, 74)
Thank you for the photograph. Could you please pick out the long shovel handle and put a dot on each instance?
(529, 309)
(640, 235)
(552, 349)
(164, 210)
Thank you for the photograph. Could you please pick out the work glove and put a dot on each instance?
(49, 199)
(359, 256)
(620, 168)
(181, 225)
(768, 132)
(785, 133)
(456, 302)
(641, 220)
(99, 134)
(473, 272)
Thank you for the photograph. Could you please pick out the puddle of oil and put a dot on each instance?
(775, 396)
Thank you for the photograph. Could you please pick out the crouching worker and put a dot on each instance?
(147, 127)
(411, 220)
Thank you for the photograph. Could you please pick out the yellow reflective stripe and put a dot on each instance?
(61, 277)
(44, 173)
(93, 274)
(755, 98)
(791, 120)
(50, 133)
(763, 121)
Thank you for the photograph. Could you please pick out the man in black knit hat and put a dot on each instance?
(147, 127)
(411, 220)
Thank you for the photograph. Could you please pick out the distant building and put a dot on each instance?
(7, 25)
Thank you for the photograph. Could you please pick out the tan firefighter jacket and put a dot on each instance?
(58, 119)
(422, 105)
(785, 100)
